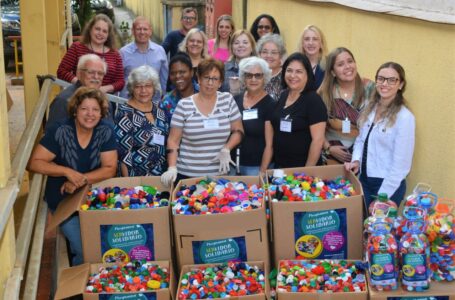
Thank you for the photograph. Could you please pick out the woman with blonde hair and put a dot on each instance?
(345, 94)
(97, 38)
(218, 47)
(312, 43)
(195, 45)
(242, 45)
(384, 148)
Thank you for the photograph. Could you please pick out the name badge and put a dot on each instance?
(211, 124)
(346, 126)
(286, 125)
(158, 139)
(250, 114)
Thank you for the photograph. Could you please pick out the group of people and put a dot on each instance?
(235, 104)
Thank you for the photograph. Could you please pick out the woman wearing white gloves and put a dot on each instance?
(204, 129)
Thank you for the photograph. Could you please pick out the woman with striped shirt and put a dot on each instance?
(97, 38)
(204, 129)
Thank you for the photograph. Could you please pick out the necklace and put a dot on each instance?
(102, 54)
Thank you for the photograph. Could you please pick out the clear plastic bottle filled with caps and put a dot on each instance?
(376, 217)
(410, 214)
(441, 235)
(411, 199)
(382, 202)
(415, 258)
(382, 251)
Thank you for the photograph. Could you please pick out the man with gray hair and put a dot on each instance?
(90, 73)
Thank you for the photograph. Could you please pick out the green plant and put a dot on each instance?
(83, 10)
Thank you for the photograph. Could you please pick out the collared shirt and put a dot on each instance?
(155, 57)
(390, 149)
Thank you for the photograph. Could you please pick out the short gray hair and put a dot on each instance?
(90, 57)
(143, 74)
(271, 38)
(251, 62)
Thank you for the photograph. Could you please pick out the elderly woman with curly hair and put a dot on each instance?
(141, 127)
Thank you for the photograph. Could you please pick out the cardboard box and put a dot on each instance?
(260, 264)
(437, 291)
(363, 295)
(73, 281)
(328, 229)
(238, 235)
(113, 235)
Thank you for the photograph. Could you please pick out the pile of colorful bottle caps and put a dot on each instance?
(217, 196)
(222, 281)
(128, 277)
(331, 276)
(302, 187)
(116, 198)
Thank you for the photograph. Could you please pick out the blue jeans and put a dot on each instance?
(71, 229)
(371, 186)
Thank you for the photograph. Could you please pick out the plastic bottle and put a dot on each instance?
(415, 258)
(441, 235)
(382, 253)
(410, 214)
(383, 203)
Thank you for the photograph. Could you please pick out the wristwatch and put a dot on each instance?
(326, 151)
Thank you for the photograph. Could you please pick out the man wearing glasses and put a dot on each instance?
(175, 37)
(90, 73)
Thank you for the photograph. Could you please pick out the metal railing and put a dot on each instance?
(34, 219)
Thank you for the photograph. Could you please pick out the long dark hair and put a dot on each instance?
(392, 110)
(297, 56)
(254, 26)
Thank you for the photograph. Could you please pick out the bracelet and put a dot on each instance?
(172, 150)
(327, 151)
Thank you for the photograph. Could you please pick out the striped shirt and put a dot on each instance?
(203, 137)
(68, 66)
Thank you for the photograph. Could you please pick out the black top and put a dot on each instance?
(253, 143)
(365, 152)
(291, 148)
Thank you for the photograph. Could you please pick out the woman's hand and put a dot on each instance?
(76, 178)
(352, 166)
(341, 153)
(68, 188)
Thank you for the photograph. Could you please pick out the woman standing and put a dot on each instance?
(313, 45)
(271, 48)
(255, 105)
(98, 38)
(384, 148)
(345, 94)
(262, 25)
(195, 45)
(218, 47)
(181, 77)
(242, 45)
(298, 120)
(78, 151)
(204, 129)
(141, 127)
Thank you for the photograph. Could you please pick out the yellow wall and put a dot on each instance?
(426, 51)
(152, 10)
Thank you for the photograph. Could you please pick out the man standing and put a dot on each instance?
(90, 73)
(143, 52)
(175, 37)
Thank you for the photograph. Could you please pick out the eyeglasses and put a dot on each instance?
(143, 86)
(93, 72)
(272, 53)
(390, 80)
(264, 27)
(186, 18)
(208, 79)
(255, 75)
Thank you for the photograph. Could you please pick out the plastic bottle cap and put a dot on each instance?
(278, 173)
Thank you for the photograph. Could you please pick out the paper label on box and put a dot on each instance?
(136, 296)
(420, 298)
(216, 251)
(321, 234)
(126, 242)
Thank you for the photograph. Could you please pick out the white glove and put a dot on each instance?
(168, 177)
(225, 159)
